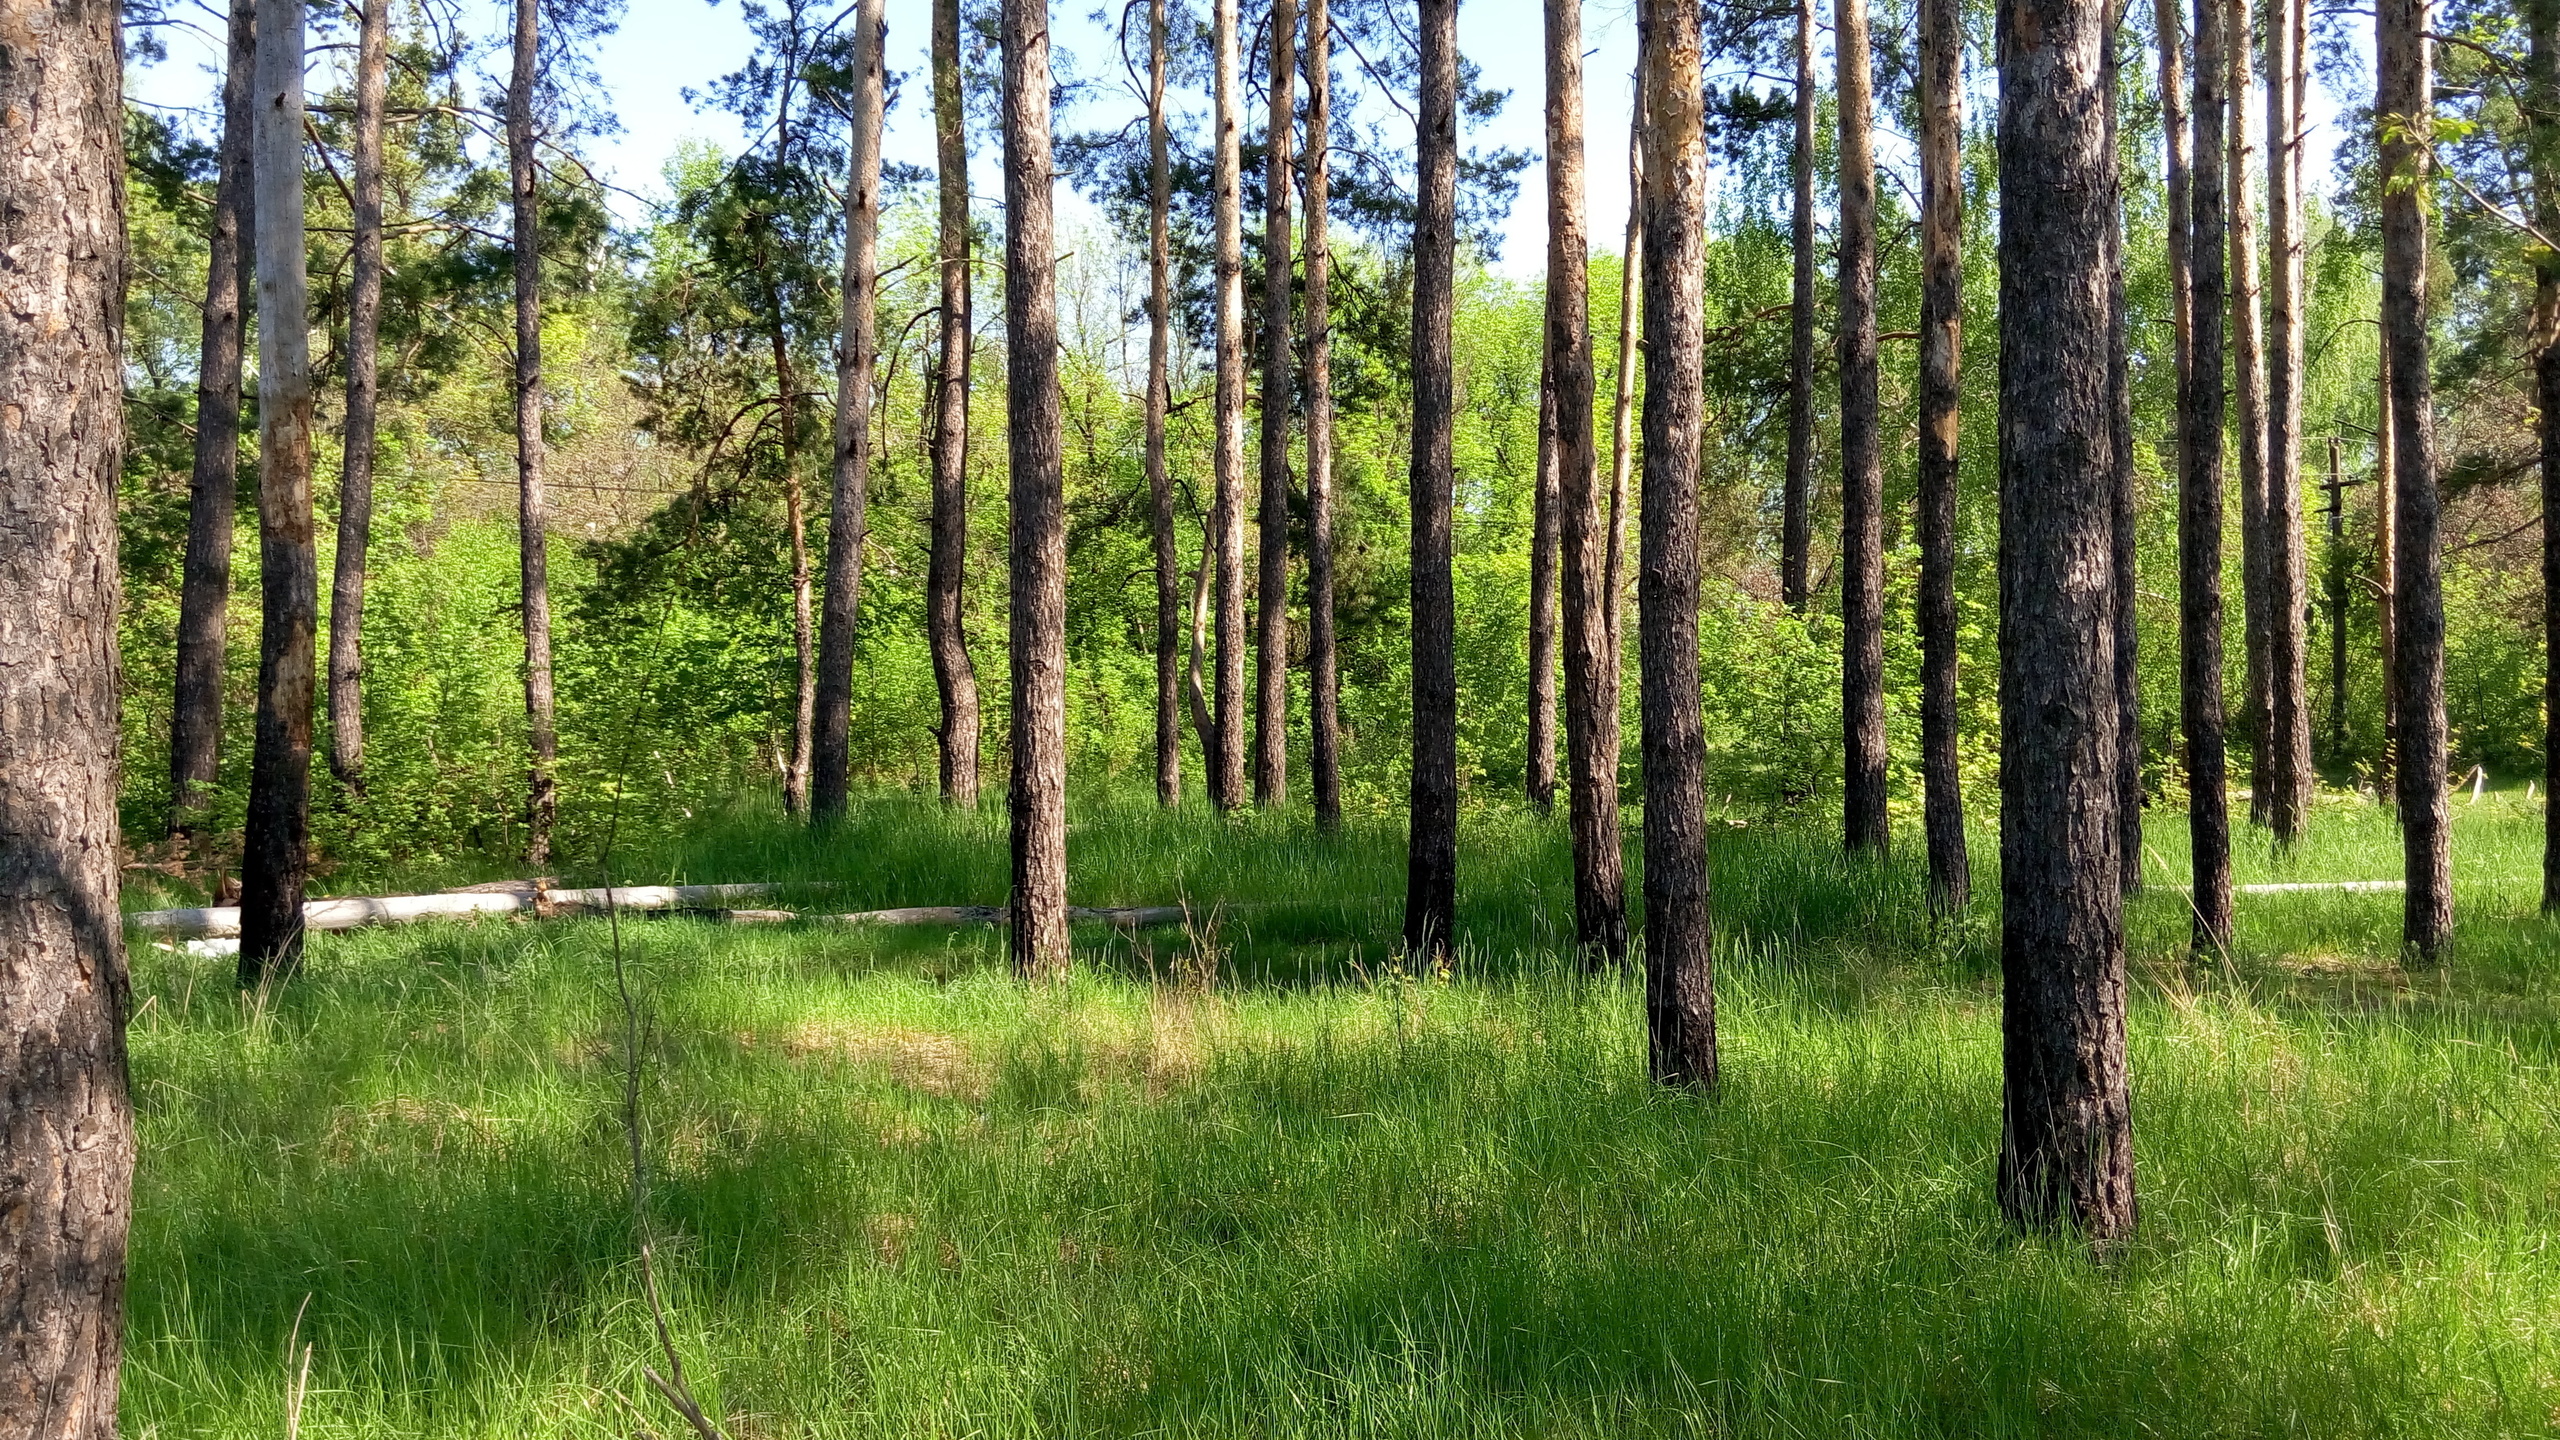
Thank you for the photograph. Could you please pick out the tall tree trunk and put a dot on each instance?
(66, 1112)
(1159, 400)
(275, 861)
(955, 678)
(2170, 29)
(1324, 678)
(533, 521)
(2291, 779)
(1862, 792)
(2127, 613)
(804, 695)
(1431, 866)
(2542, 18)
(2249, 375)
(1795, 524)
(2066, 1145)
(848, 514)
(2336, 587)
(2405, 106)
(1941, 369)
(1271, 660)
(1038, 481)
(1194, 690)
(364, 336)
(2202, 409)
(2386, 577)
(204, 597)
(1679, 928)
(1226, 767)
(1622, 450)
(1540, 755)
(1590, 657)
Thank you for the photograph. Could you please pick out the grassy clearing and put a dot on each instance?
(1262, 1183)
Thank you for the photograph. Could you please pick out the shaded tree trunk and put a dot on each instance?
(2066, 1145)
(2290, 777)
(1159, 400)
(66, 1111)
(275, 863)
(2386, 578)
(2249, 379)
(1431, 864)
(2202, 409)
(1324, 676)
(1541, 751)
(1941, 369)
(1622, 451)
(533, 521)
(204, 597)
(955, 678)
(2336, 588)
(364, 337)
(2169, 27)
(1862, 792)
(1038, 902)
(1795, 523)
(2126, 611)
(1271, 660)
(2542, 18)
(1226, 765)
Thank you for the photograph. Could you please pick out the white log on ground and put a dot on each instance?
(222, 922)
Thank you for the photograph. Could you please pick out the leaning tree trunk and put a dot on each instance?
(275, 862)
(847, 521)
(1941, 369)
(1324, 677)
(2169, 27)
(355, 474)
(1540, 755)
(2249, 375)
(946, 568)
(204, 597)
(2127, 615)
(66, 1112)
(2543, 79)
(1622, 435)
(2202, 408)
(542, 807)
(2066, 1144)
(2287, 739)
(1035, 447)
(1679, 930)
(2405, 106)
(1865, 826)
(1226, 766)
(1795, 523)
(1159, 400)
(1590, 660)
(1271, 659)
(1431, 863)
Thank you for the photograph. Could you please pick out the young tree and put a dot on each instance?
(1865, 825)
(66, 1113)
(2169, 28)
(1795, 526)
(1431, 874)
(542, 808)
(1590, 659)
(1160, 399)
(2290, 778)
(2249, 376)
(204, 599)
(859, 355)
(1226, 764)
(2201, 409)
(1271, 661)
(946, 571)
(1541, 751)
(1679, 933)
(1941, 342)
(364, 336)
(2066, 1148)
(1038, 481)
(1324, 679)
(276, 850)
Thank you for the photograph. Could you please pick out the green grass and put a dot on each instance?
(899, 1195)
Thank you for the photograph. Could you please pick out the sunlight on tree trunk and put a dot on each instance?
(2291, 780)
(2200, 506)
(1865, 825)
(355, 475)
(1159, 398)
(1540, 753)
(1226, 766)
(542, 805)
(946, 583)
(1431, 874)
(1271, 658)
(1941, 370)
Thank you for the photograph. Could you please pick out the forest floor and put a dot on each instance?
(1255, 1180)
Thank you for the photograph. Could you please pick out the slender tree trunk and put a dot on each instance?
(2127, 612)
(1159, 400)
(276, 851)
(2170, 28)
(2249, 375)
(66, 1112)
(2066, 1145)
(355, 475)
(1541, 751)
(1865, 824)
(2386, 577)
(2202, 410)
(1622, 450)
(2291, 779)
(2405, 107)
(1039, 542)
(542, 806)
(204, 598)
(848, 514)
(1324, 679)
(1795, 524)
(946, 571)
(2336, 587)
(1194, 688)
(1941, 369)
(1679, 929)
(1431, 873)
(1226, 767)
(804, 695)
(1271, 661)
(2542, 18)
(1590, 658)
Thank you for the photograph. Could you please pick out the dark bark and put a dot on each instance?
(275, 858)
(1226, 764)
(66, 1112)
(1540, 756)
(2170, 29)
(1271, 659)
(2126, 612)
(1795, 523)
(533, 506)
(2202, 410)
(1941, 351)
(364, 336)
(1159, 399)
(2066, 1145)
(1865, 825)
(204, 597)
(2336, 596)
(2290, 778)
(1431, 866)
(2542, 18)
(1038, 479)
(955, 677)
(2249, 384)
(1324, 677)
(2386, 578)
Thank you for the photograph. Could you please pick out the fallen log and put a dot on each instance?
(1125, 918)
(344, 913)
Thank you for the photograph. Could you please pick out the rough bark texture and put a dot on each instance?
(533, 507)
(2404, 106)
(1038, 938)
(804, 653)
(2201, 410)
(2127, 615)
(2290, 778)
(1271, 658)
(276, 848)
(2170, 28)
(2386, 578)
(2066, 1145)
(1941, 352)
(364, 336)
(2334, 593)
(66, 1116)
(2249, 383)
(204, 597)
(1864, 823)
(1795, 522)
(1431, 861)
(1160, 399)
(848, 521)
(1622, 452)
(1226, 763)
(946, 570)
(1590, 660)
(1324, 675)
(2543, 81)
(1540, 768)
